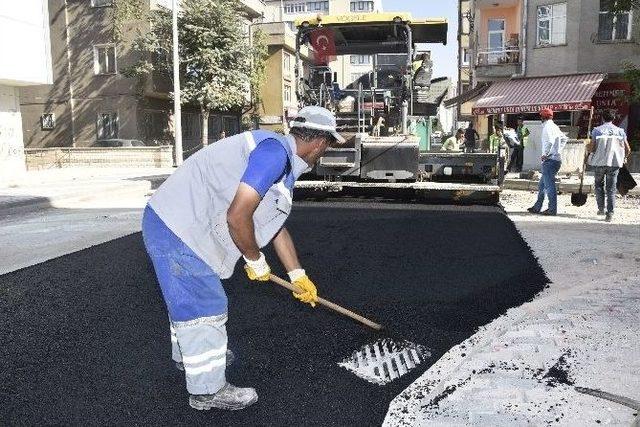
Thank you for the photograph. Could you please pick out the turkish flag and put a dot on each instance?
(324, 45)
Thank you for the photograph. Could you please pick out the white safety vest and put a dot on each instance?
(610, 147)
(193, 202)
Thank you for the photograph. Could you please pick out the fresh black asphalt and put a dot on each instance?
(84, 337)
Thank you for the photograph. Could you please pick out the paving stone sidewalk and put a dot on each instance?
(525, 367)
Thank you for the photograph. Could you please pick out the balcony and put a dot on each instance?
(498, 61)
(254, 8)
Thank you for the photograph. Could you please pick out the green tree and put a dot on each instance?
(219, 68)
(257, 75)
(631, 73)
(123, 12)
(621, 5)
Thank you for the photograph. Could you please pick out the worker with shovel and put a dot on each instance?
(226, 202)
(609, 149)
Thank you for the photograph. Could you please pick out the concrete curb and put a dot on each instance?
(563, 187)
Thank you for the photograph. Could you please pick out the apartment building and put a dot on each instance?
(279, 100)
(464, 52)
(529, 54)
(25, 63)
(348, 68)
(90, 99)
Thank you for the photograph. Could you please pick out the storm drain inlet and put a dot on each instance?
(385, 360)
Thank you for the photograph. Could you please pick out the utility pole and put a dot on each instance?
(177, 114)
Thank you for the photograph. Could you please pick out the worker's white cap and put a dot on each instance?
(314, 117)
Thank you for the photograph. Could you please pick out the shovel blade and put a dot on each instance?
(578, 199)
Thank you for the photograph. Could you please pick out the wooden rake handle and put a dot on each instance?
(328, 304)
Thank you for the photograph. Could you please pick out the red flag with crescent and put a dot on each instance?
(324, 45)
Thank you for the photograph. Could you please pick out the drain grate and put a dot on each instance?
(385, 360)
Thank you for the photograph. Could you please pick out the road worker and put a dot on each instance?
(225, 202)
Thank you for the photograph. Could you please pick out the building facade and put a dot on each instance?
(348, 67)
(21, 64)
(90, 99)
(511, 40)
(464, 51)
(279, 100)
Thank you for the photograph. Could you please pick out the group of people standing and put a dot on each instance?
(607, 152)
(515, 139)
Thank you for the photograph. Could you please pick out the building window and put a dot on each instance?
(215, 127)
(287, 93)
(286, 62)
(614, 26)
(291, 25)
(360, 59)
(48, 121)
(361, 6)
(101, 3)
(318, 6)
(156, 126)
(308, 7)
(552, 24)
(190, 125)
(356, 76)
(293, 8)
(107, 125)
(465, 56)
(104, 59)
(231, 125)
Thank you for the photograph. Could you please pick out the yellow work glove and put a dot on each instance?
(257, 269)
(300, 279)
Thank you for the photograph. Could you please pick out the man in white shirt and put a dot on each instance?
(609, 150)
(553, 141)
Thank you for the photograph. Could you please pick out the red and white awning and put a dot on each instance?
(530, 95)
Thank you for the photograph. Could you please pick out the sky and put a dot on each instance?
(445, 57)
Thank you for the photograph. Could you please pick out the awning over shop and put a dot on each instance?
(530, 95)
(468, 95)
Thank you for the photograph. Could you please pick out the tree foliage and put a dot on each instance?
(631, 73)
(615, 6)
(220, 69)
(257, 75)
(123, 12)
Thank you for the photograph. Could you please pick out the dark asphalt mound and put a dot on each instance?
(84, 337)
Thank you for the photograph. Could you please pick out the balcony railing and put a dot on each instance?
(498, 55)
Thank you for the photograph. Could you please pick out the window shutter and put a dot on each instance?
(559, 24)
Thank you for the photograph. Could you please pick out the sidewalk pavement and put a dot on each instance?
(570, 184)
(526, 367)
(55, 187)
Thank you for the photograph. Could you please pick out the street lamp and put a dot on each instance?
(177, 114)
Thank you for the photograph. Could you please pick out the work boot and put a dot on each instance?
(548, 213)
(609, 217)
(230, 359)
(229, 397)
(601, 212)
(533, 210)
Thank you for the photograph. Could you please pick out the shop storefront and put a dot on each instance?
(570, 97)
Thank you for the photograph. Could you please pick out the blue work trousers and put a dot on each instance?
(547, 185)
(196, 302)
(610, 175)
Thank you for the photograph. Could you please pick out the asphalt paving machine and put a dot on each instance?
(374, 112)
